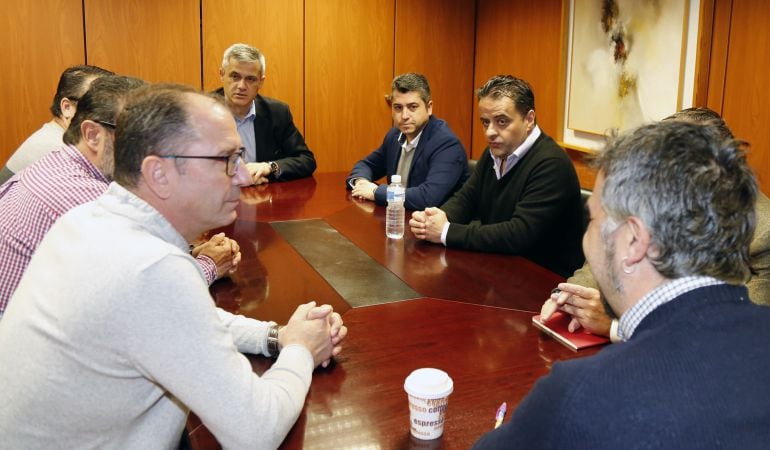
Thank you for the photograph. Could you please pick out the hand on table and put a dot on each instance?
(429, 224)
(259, 172)
(583, 304)
(317, 328)
(225, 252)
(364, 189)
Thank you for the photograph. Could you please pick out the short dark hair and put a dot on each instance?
(101, 102)
(73, 83)
(412, 82)
(704, 116)
(692, 189)
(518, 90)
(155, 121)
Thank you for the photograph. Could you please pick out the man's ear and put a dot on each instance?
(529, 118)
(157, 177)
(638, 242)
(68, 108)
(92, 134)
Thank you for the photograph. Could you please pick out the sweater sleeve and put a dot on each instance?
(584, 277)
(461, 207)
(182, 345)
(759, 254)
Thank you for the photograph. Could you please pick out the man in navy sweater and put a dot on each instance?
(672, 216)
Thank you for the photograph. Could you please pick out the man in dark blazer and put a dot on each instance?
(274, 148)
(523, 198)
(421, 148)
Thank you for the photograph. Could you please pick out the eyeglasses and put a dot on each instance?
(106, 124)
(232, 161)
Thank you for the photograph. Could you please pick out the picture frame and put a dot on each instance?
(626, 64)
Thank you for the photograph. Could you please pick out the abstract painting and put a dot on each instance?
(626, 62)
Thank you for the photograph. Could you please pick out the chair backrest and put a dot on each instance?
(472, 164)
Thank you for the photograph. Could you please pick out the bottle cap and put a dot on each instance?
(395, 178)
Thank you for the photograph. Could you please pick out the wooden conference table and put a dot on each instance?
(407, 304)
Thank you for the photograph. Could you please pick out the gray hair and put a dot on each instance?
(518, 90)
(412, 82)
(244, 53)
(155, 121)
(693, 190)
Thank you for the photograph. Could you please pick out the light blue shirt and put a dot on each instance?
(246, 130)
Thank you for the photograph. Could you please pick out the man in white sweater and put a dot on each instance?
(123, 338)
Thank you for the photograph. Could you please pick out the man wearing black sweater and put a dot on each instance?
(523, 197)
(672, 216)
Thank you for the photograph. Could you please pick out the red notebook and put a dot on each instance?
(556, 327)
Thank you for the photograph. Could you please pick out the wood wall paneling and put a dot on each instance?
(435, 38)
(746, 95)
(520, 38)
(276, 28)
(586, 174)
(152, 40)
(348, 68)
(37, 47)
(717, 57)
(703, 54)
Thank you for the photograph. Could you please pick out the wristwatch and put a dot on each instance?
(275, 169)
(273, 346)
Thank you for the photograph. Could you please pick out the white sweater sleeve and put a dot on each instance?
(186, 346)
(249, 335)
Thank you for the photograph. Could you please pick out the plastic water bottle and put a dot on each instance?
(394, 214)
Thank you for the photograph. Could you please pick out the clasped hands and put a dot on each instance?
(583, 304)
(225, 252)
(317, 328)
(429, 224)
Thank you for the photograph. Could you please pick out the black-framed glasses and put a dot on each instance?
(232, 161)
(109, 125)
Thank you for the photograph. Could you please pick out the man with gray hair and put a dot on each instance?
(671, 219)
(121, 358)
(523, 198)
(275, 149)
(420, 148)
(580, 297)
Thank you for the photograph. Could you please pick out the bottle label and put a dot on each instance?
(396, 195)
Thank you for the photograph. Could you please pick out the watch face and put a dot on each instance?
(273, 167)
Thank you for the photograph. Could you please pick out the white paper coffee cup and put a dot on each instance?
(428, 392)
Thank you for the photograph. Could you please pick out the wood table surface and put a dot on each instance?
(472, 320)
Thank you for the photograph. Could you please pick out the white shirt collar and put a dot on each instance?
(517, 154)
(409, 146)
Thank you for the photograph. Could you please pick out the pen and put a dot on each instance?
(500, 414)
